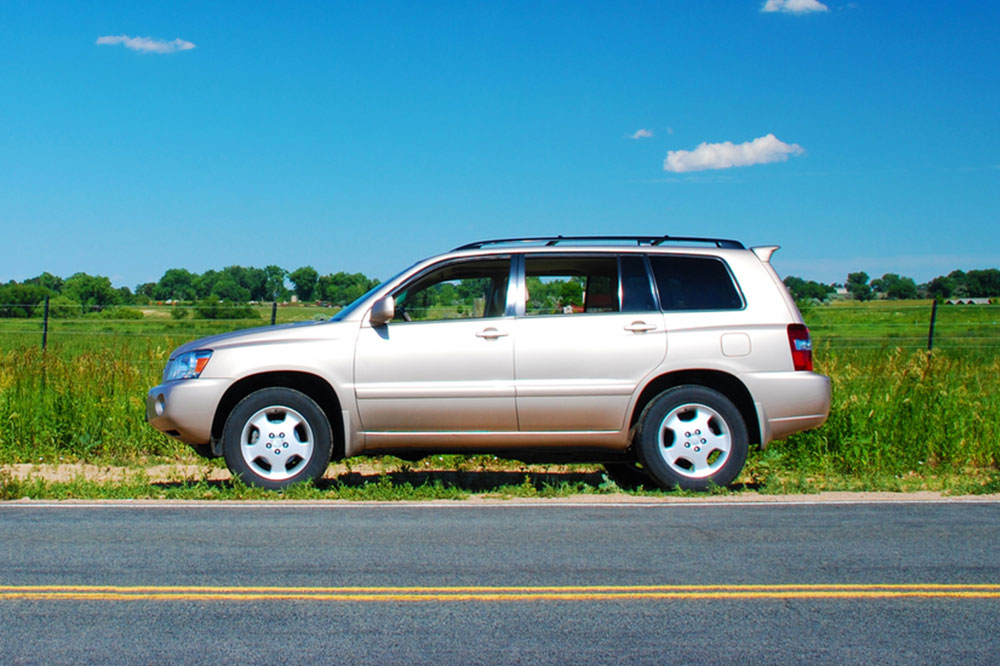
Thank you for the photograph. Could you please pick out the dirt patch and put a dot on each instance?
(478, 481)
(63, 473)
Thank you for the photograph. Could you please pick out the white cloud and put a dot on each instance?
(728, 154)
(146, 44)
(641, 134)
(794, 6)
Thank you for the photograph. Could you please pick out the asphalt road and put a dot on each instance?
(721, 583)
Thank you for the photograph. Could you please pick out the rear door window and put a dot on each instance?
(558, 284)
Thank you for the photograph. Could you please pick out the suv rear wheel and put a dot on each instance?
(692, 437)
(276, 437)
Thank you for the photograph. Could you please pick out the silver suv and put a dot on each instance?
(663, 358)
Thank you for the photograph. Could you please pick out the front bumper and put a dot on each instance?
(185, 409)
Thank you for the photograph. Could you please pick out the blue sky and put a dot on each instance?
(364, 136)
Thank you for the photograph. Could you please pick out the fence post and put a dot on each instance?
(274, 312)
(45, 324)
(930, 332)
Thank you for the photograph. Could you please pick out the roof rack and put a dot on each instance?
(652, 241)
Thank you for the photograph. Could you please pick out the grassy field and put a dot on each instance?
(905, 324)
(901, 419)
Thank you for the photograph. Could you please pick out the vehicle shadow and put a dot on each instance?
(468, 480)
(491, 481)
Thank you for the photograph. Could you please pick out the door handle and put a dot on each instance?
(491, 333)
(640, 327)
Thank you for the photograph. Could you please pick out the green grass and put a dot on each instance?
(157, 324)
(400, 486)
(895, 411)
(901, 420)
(446, 486)
(905, 324)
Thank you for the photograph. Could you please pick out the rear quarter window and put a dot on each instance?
(694, 283)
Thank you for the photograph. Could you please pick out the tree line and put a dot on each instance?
(238, 285)
(83, 293)
(957, 284)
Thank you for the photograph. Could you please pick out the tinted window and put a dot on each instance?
(637, 294)
(694, 283)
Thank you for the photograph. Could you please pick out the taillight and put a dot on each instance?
(801, 345)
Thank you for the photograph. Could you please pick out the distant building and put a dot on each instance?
(968, 301)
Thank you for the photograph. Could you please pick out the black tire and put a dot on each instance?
(276, 437)
(629, 476)
(692, 437)
(204, 450)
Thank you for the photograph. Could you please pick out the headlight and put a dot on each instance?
(187, 366)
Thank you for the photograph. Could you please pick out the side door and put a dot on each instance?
(445, 363)
(588, 333)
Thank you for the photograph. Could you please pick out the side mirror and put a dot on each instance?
(383, 311)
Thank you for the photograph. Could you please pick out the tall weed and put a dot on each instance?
(896, 411)
(88, 405)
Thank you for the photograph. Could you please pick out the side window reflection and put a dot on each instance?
(459, 290)
(570, 285)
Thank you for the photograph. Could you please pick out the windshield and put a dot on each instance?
(349, 309)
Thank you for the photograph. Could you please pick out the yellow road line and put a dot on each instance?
(508, 588)
(499, 593)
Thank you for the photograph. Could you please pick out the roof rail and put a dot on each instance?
(653, 241)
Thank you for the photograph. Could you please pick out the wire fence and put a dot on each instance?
(875, 325)
(905, 325)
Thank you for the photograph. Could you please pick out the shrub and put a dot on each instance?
(117, 313)
(209, 309)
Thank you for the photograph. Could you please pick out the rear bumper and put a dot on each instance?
(185, 409)
(789, 402)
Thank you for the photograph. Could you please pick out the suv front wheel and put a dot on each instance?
(692, 437)
(276, 437)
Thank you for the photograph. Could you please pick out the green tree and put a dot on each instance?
(60, 307)
(940, 287)
(895, 287)
(146, 289)
(960, 287)
(983, 283)
(553, 295)
(21, 300)
(305, 280)
(807, 289)
(92, 292)
(274, 283)
(205, 283)
(343, 288)
(177, 284)
(51, 282)
(227, 288)
(858, 287)
(253, 280)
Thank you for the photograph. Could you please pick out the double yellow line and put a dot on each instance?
(492, 594)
